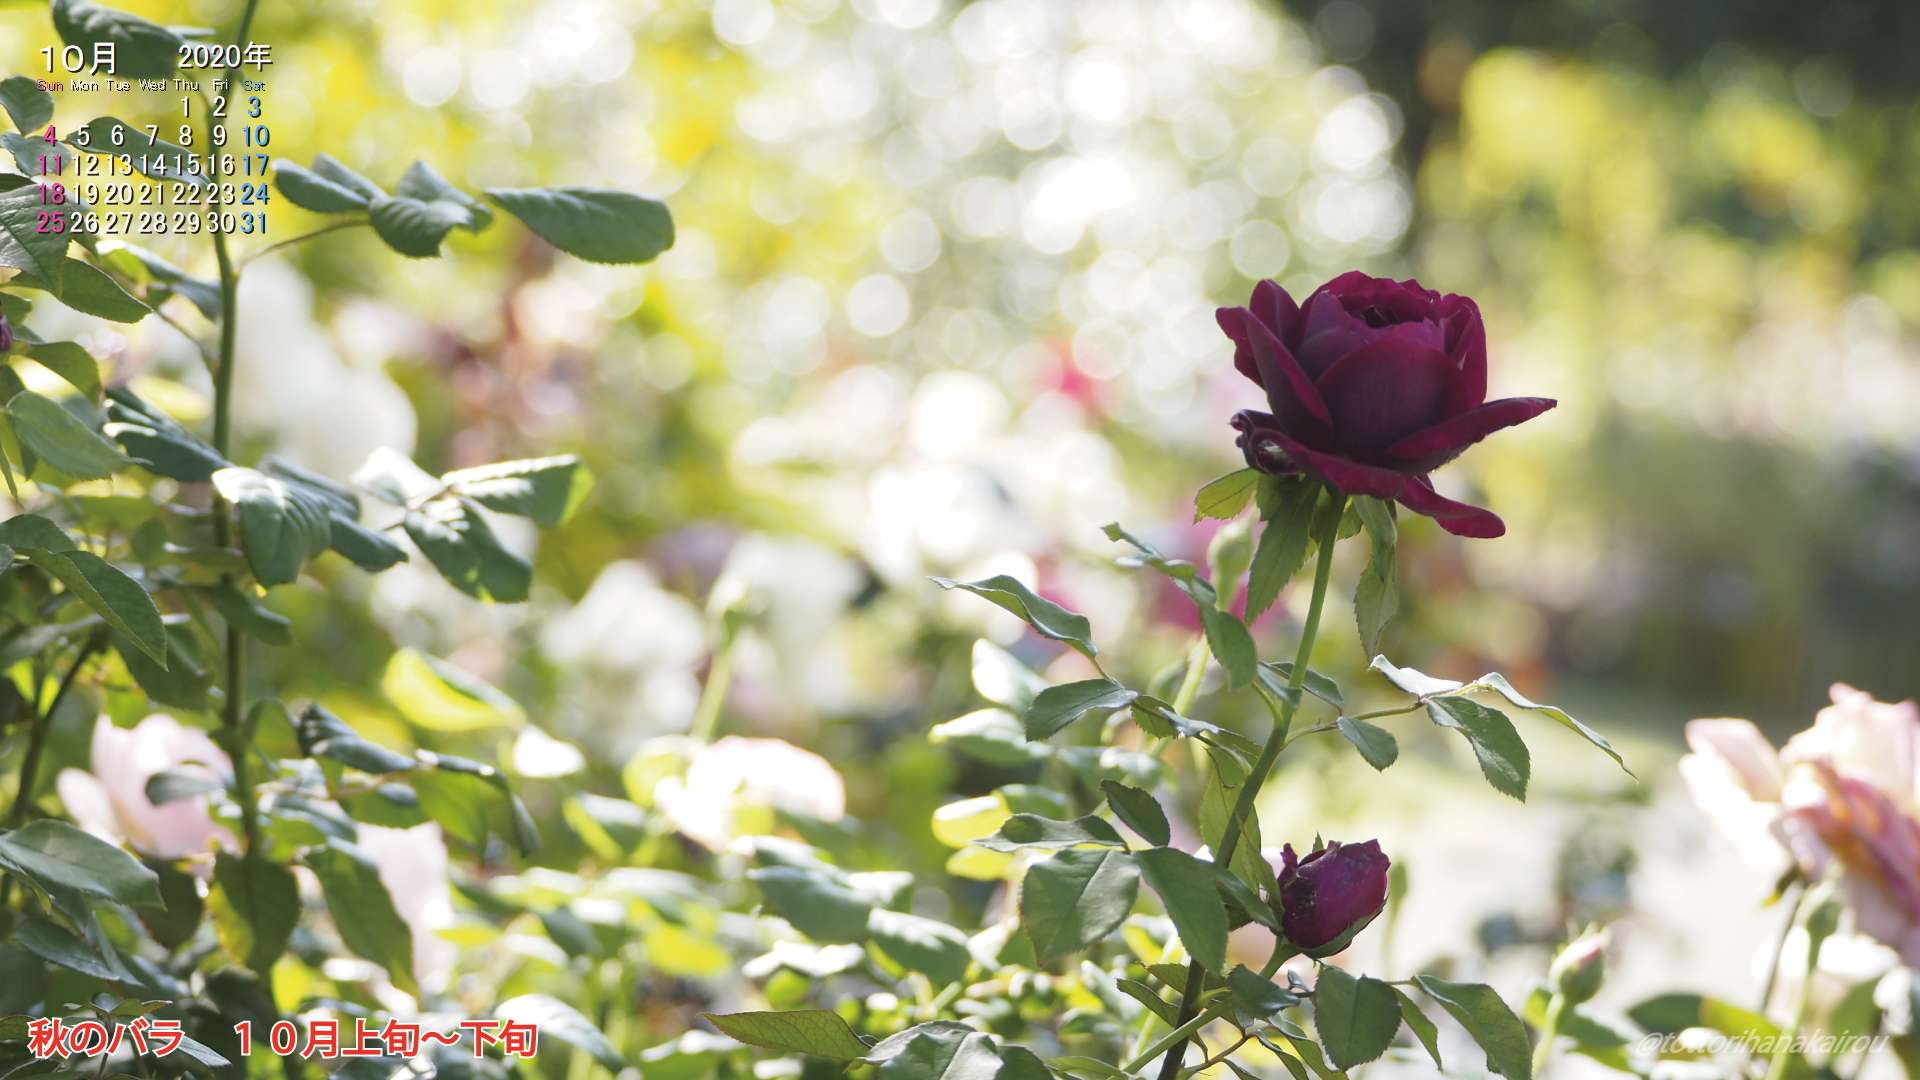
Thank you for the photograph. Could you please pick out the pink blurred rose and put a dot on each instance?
(413, 866)
(1843, 795)
(111, 800)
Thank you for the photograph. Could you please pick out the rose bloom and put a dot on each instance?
(731, 782)
(111, 799)
(1843, 795)
(1372, 384)
(412, 864)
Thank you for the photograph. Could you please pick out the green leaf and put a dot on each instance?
(1034, 831)
(415, 228)
(177, 919)
(1375, 743)
(1232, 645)
(156, 442)
(548, 490)
(151, 157)
(1357, 1018)
(995, 736)
(255, 906)
(1503, 756)
(1217, 800)
(1313, 682)
(310, 190)
(362, 909)
(819, 902)
(31, 532)
(1139, 810)
(1185, 885)
(282, 525)
(162, 278)
(28, 106)
(472, 801)
(1225, 496)
(142, 50)
(1047, 618)
(434, 694)
(244, 612)
(1488, 1020)
(62, 439)
(1417, 683)
(112, 595)
(49, 942)
(931, 948)
(22, 244)
(1423, 1029)
(459, 544)
(938, 1050)
(1666, 1014)
(1283, 545)
(182, 682)
(1075, 898)
(324, 735)
(1376, 598)
(89, 290)
(1498, 683)
(804, 1031)
(55, 853)
(1167, 1011)
(595, 224)
(169, 785)
(1591, 1035)
(71, 362)
(364, 548)
(1002, 679)
(1058, 706)
(1257, 995)
(422, 183)
(565, 1023)
(1183, 573)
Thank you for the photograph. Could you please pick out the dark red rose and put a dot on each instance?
(1331, 895)
(1372, 385)
(6, 334)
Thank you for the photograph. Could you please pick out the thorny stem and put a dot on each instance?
(1549, 1031)
(1250, 790)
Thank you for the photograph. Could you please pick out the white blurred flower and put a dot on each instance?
(111, 800)
(413, 866)
(1843, 796)
(627, 622)
(293, 383)
(736, 776)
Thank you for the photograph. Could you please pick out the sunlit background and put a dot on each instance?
(942, 303)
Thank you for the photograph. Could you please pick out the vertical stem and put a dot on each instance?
(233, 709)
(1250, 791)
(1196, 669)
(1549, 1031)
(1780, 947)
(42, 722)
(713, 693)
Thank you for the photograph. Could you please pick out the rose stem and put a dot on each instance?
(1249, 791)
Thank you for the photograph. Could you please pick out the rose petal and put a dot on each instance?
(1290, 393)
(1382, 392)
(1749, 758)
(1328, 332)
(1467, 344)
(1458, 518)
(1262, 441)
(1275, 307)
(1429, 448)
(1391, 301)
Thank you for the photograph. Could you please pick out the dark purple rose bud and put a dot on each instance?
(1331, 895)
(6, 334)
(1372, 384)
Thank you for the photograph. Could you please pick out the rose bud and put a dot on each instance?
(6, 334)
(1372, 384)
(1331, 895)
(1576, 973)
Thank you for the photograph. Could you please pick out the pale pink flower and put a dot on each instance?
(736, 775)
(111, 800)
(1842, 797)
(412, 864)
